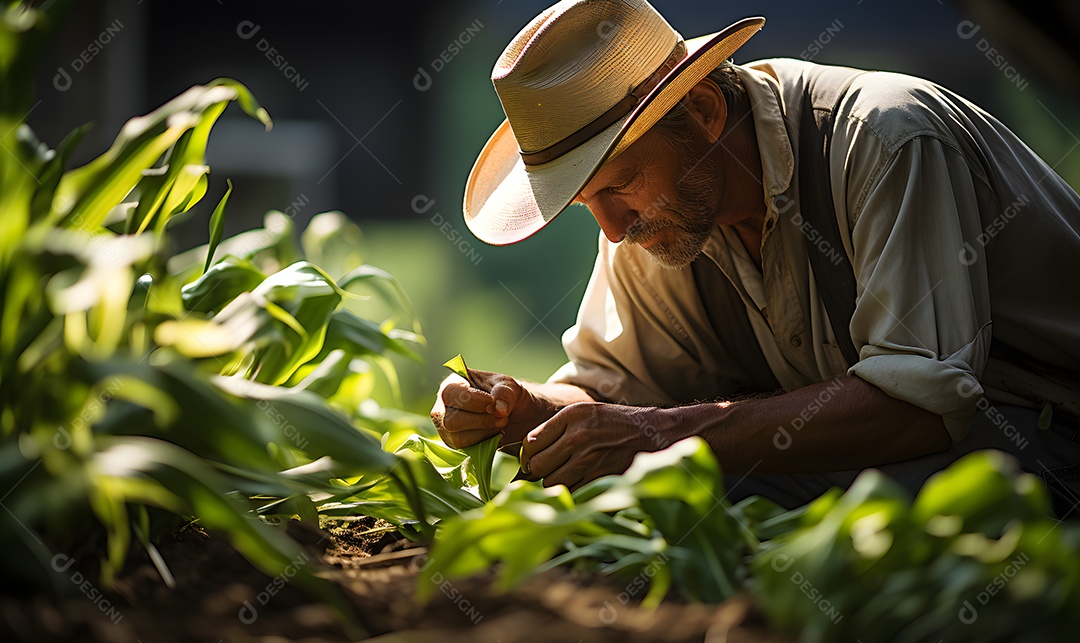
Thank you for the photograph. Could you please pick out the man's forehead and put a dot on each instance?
(618, 170)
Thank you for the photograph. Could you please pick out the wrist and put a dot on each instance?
(530, 412)
(668, 425)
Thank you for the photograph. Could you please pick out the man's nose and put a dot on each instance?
(614, 220)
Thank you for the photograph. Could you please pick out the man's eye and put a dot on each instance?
(625, 186)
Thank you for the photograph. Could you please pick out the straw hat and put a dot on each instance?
(579, 84)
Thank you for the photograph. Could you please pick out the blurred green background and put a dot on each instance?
(504, 313)
(381, 108)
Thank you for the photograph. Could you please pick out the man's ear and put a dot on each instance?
(707, 106)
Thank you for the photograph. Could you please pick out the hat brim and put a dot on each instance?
(506, 202)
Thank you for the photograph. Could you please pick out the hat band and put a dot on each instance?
(611, 116)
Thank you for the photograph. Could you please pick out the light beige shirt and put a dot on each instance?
(956, 231)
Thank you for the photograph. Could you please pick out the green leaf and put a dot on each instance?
(1046, 416)
(386, 286)
(326, 378)
(246, 100)
(359, 337)
(333, 242)
(267, 249)
(303, 298)
(457, 364)
(54, 170)
(181, 398)
(297, 505)
(985, 490)
(180, 129)
(217, 227)
(223, 282)
(85, 195)
(521, 528)
(481, 456)
(197, 338)
(305, 421)
(420, 492)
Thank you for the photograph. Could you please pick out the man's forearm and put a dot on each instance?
(557, 394)
(829, 426)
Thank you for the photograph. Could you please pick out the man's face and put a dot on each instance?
(659, 194)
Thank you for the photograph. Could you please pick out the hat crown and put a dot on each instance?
(574, 62)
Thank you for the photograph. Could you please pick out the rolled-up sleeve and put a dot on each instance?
(922, 319)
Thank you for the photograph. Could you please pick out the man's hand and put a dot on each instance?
(466, 415)
(859, 427)
(585, 441)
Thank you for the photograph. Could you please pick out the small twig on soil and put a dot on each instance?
(390, 558)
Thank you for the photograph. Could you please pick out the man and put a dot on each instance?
(883, 259)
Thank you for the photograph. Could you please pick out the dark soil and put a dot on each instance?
(376, 571)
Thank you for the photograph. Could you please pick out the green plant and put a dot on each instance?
(661, 516)
(139, 388)
(975, 557)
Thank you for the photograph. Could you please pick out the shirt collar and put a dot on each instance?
(774, 146)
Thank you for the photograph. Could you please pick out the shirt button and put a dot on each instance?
(796, 341)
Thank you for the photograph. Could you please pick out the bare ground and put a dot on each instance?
(377, 573)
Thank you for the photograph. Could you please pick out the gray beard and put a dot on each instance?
(695, 217)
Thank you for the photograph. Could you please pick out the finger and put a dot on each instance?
(570, 476)
(484, 380)
(459, 420)
(505, 395)
(582, 469)
(505, 390)
(551, 460)
(460, 395)
(540, 439)
(592, 473)
(455, 420)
